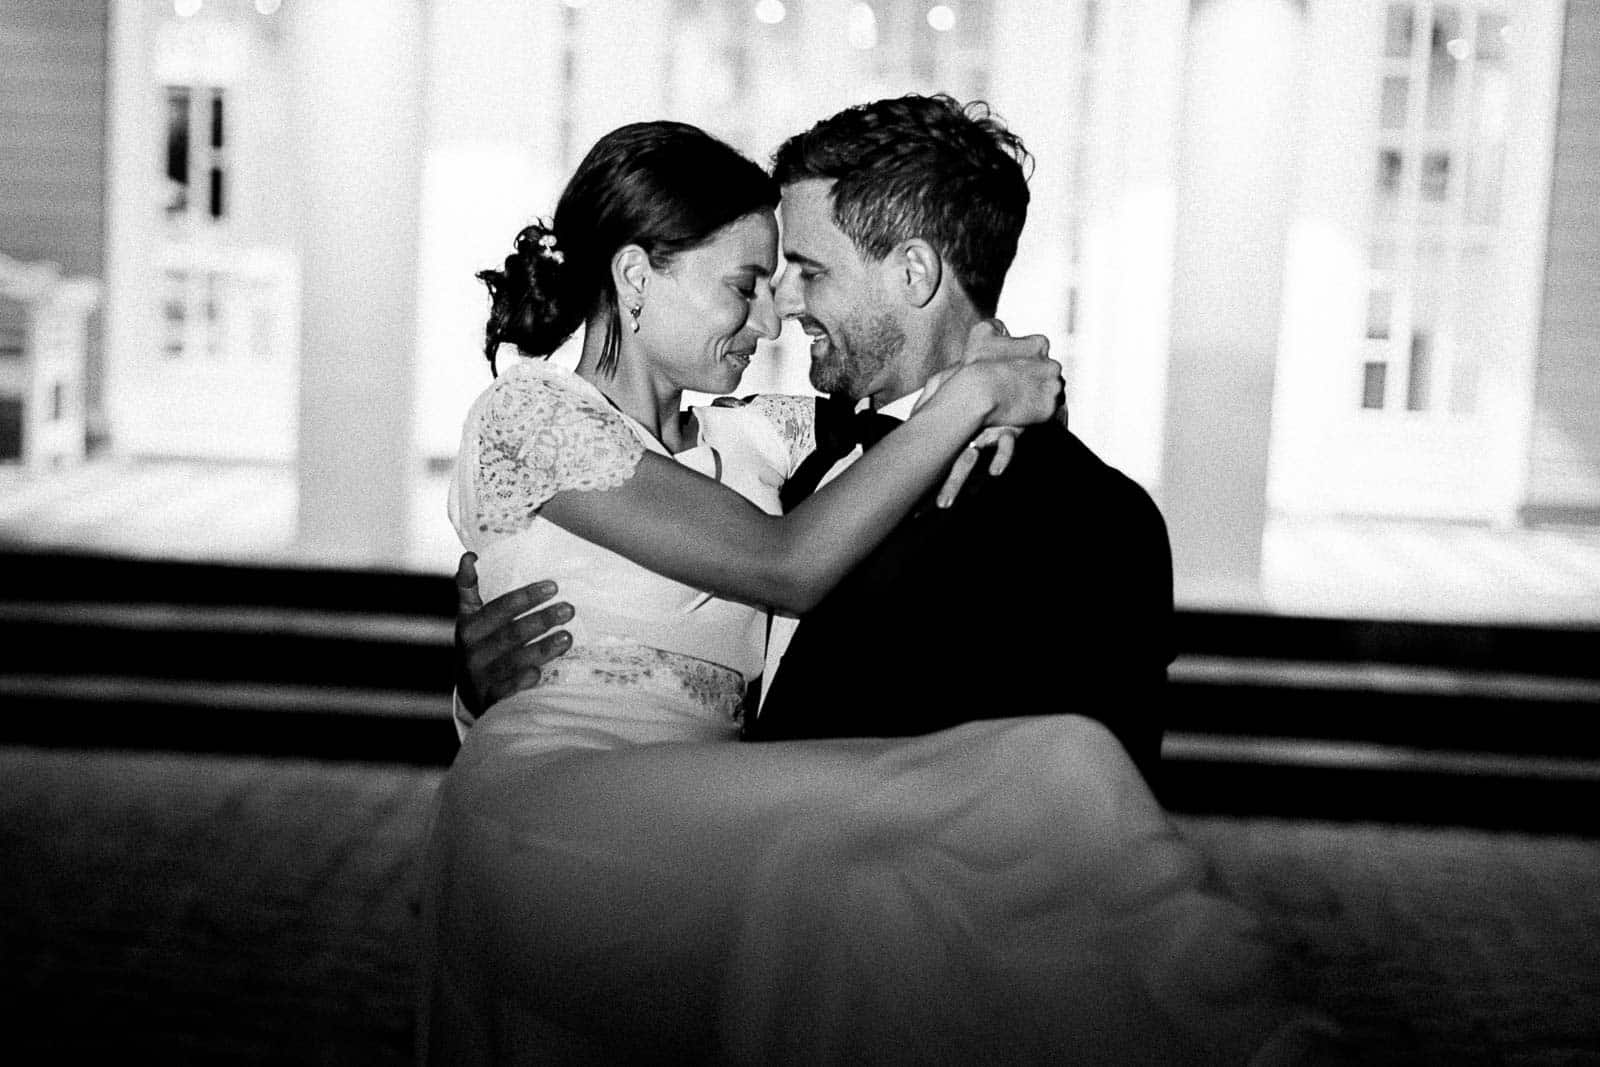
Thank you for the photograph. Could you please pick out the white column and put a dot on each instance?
(356, 106)
(491, 164)
(1128, 191)
(132, 331)
(1034, 89)
(1234, 192)
(1317, 424)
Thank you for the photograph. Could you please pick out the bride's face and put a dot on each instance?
(704, 313)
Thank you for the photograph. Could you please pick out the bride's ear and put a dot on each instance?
(630, 266)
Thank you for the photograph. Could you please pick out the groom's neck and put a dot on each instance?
(931, 346)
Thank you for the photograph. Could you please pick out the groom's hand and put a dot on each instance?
(502, 647)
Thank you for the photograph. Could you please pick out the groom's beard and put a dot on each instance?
(853, 358)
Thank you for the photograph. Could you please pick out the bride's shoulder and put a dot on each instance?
(534, 389)
(782, 423)
(533, 407)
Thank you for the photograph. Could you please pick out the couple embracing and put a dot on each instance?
(952, 855)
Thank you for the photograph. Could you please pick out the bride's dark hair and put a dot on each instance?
(665, 186)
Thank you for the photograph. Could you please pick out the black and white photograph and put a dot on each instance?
(798, 532)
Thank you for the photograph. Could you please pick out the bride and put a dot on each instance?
(608, 879)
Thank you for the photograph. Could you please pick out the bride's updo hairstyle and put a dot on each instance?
(667, 187)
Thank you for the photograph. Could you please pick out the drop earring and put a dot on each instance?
(633, 313)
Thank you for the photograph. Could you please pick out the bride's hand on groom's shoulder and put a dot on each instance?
(989, 340)
(503, 646)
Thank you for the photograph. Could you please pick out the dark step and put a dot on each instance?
(1427, 708)
(1510, 798)
(208, 643)
(70, 576)
(1199, 774)
(1557, 651)
(105, 713)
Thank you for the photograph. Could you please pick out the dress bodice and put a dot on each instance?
(539, 430)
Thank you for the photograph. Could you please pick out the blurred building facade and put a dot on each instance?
(1308, 257)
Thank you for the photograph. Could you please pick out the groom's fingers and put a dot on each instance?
(523, 667)
(511, 621)
(467, 598)
(1005, 444)
(504, 608)
(959, 472)
(503, 648)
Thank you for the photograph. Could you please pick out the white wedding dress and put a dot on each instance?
(612, 879)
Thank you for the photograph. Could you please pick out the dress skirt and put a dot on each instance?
(1003, 891)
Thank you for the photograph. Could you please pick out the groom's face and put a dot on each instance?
(836, 295)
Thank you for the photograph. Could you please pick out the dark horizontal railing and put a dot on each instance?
(1489, 725)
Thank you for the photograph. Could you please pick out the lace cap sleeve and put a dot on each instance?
(539, 433)
(792, 418)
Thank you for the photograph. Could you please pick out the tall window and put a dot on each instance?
(196, 157)
(1437, 175)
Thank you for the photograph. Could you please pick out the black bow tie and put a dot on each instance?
(839, 429)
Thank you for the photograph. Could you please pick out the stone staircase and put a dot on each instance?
(107, 652)
(1304, 717)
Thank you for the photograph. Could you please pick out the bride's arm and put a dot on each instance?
(687, 527)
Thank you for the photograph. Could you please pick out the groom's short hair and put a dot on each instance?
(924, 167)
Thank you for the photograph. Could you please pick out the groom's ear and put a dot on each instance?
(918, 271)
(629, 268)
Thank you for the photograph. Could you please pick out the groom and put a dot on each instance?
(1046, 590)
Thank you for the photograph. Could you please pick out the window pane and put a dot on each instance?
(215, 290)
(1380, 309)
(1393, 108)
(1446, 47)
(216, 118)
(10, 427)
(1491, 41)
(1373, 375)
(1420, 374)
(177, 151)
(1389, 168)
(175, 315)
(1398, 31)
(1490, 102)
(13, 340)
(1436, 176)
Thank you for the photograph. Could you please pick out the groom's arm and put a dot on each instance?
(502, 647)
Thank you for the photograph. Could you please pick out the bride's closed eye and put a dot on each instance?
(754, 287)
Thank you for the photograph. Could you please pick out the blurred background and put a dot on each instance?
(1322, 274)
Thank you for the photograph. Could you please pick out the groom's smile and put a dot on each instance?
(829, 289)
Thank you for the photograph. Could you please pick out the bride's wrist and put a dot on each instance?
(968, 398)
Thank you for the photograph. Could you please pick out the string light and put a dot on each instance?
(941, 18)
(771, 11)
(185, 8)
(863, 27)
(1459, 48)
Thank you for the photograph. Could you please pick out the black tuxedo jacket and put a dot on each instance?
(1047, 590)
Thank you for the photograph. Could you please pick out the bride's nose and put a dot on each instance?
(763, 320)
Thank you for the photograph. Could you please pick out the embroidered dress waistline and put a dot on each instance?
(714, 688)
